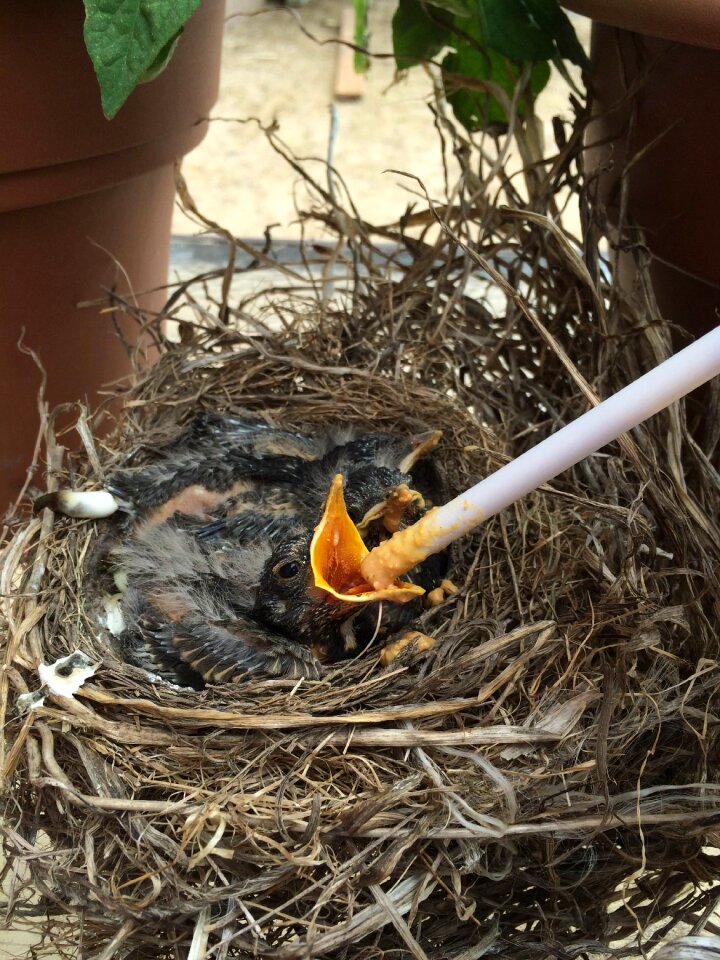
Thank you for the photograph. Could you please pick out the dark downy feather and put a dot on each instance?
(204, 592)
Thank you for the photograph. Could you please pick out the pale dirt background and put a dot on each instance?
(273, 72)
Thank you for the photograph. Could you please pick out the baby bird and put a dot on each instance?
(243, 546)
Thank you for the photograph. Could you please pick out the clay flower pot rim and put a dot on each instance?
(60, 144)
(693, 22)
(80, 194)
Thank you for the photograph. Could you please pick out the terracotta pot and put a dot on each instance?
(665, 137)
(674, 189)
(693, 22)
(79, 195)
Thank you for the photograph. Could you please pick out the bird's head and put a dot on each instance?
(312, 588)
(289, 601)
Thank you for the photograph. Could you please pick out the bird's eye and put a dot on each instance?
(288, 570)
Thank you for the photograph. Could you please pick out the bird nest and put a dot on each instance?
(540, 782)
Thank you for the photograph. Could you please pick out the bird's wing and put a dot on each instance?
(196, 485)
(216, 651)
(233, 650)
(217, 457)
(209, 429)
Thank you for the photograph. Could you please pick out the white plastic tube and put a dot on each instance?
(643, 398)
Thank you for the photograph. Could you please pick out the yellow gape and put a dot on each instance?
(336, 552)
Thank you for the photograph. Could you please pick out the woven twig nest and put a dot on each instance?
(541, 782)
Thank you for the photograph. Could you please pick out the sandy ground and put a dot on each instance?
(274, 72)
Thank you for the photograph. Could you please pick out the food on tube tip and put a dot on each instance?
(336, 554)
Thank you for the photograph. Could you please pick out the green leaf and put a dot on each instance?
(162, 60)
(508, 28)
(361, 34)
(462, 8)
(127, 38)
(417, 35)
(530, 30)
(554, 21)
(490, 40)
(477, 109)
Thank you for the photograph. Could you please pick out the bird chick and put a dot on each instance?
(195, 604)
(222, 582)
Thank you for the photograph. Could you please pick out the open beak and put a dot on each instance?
(390, 511)
(336, 552)
(420, 444)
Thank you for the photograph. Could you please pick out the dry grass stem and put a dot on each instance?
(541, 781)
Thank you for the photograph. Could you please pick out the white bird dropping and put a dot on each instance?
(646, 396)
(68, 674)
(81, 504)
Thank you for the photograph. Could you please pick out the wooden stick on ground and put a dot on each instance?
(349, 85)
